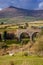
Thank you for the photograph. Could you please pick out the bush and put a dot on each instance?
(25, 53)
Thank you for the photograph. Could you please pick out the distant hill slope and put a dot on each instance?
(15, 12)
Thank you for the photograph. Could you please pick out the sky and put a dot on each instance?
(26, 4)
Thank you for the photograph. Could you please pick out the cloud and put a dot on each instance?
(41, 5)
(0, 9)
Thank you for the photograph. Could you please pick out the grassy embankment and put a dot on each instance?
(20, 59)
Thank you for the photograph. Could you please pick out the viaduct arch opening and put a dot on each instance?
(24, 36)
(34, 36)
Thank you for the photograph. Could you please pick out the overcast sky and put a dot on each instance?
(26, 4)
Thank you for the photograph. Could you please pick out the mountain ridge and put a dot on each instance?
(12, 11)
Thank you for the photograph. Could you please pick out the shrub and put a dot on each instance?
(25, 53)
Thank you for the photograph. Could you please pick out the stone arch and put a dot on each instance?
(34, 36)
(24, 35)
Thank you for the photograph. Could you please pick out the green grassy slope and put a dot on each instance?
(18, 59)
(19, 19)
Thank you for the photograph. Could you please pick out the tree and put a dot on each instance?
(2, 23)
(5, 35)
(0, 38)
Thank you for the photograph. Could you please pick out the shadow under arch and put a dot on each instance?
(24, 35)
(34, 36)
(10, 36)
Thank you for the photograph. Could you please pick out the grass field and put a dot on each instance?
(17, 19)
(20, 19)
(20, 59)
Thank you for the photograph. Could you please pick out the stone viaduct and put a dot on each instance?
(30, 32)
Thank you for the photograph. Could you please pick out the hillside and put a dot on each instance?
(12, 11)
